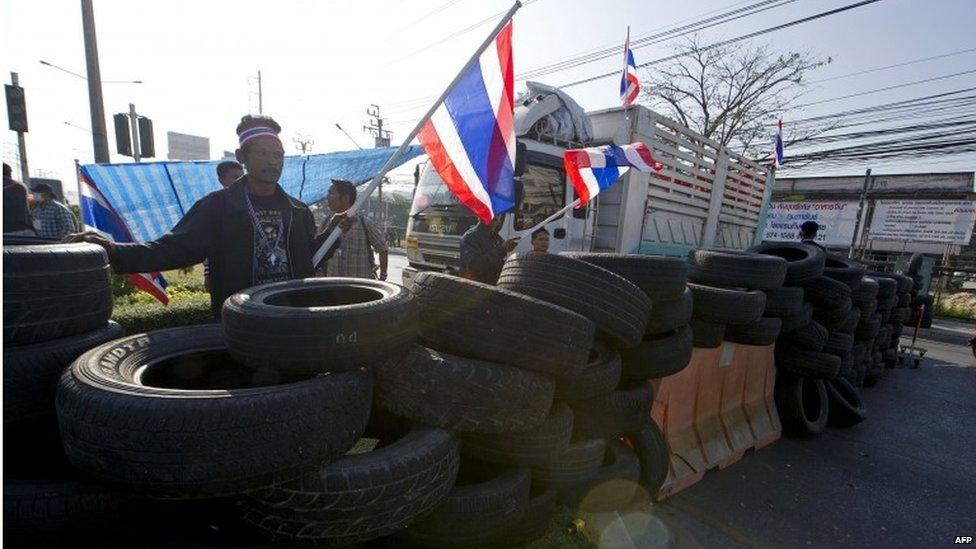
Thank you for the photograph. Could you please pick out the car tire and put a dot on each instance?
(670, 314)
(784, 302)
(833, 319)
(658, 356)
(659, 277)
(578, 462)
(802, 403)
(805, 262)
(624, 411)
(654, 455)
(601, 375)
(726, 269)
(612, 488)
(811, 337)
(795, 322)
(803, 362)
(826, 293)
(844, 270)
(706, 335)
(764, 331)
(533, 447)
(724, 306)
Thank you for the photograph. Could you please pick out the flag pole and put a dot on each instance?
(364, 196)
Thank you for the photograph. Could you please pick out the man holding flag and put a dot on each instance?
(251, 232)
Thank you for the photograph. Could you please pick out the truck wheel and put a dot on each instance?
(462, 394)
(670, 314)
(658, 356)
(53, 290)
(472, 319)
(361, 496)
(764, 331)
(706, 335)
(805, 262)
(726, 269)
(724, 306)
(600, 375)
(316, 325)
(659, 277)
(618, 308)
(533, 447)
(197, 424)
(802, 403)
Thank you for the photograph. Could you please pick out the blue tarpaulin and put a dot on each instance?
(152, 197)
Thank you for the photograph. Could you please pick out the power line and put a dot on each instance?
(887, 88)
(731, 40)
(894, 66)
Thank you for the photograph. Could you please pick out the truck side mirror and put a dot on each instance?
(521, 151)
(519, 193)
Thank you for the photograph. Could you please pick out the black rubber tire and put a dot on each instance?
(361, 496)
(890, 357)
(613, 487)
(804, 261)
(462, 394)
(846, 406)
(847, 367)
(45, 513)
(803, 362)
(887, 287)
(600, 375)
(784, 302)
(578, 462)
(618, 308)
(314, 325)
(899, 315)
(905, 301)
(526, 448)
(724, 306)
(480, 321)
(654, 455)
(728, 269)
(844, 270)
(839, 344)
(850, 323)
(811, 337)
(622, 412)
(761, 332)
(905, 283)
(888, 303)
(670, 314)
(795, 322)
(658, 356)
(826, 293)
(52, 290)
(533, 520)
(192, 443)
(474, 513)
(867, 310)
(658, 276)
(868, 329)
(834, 318)
(802, 403)
(865, 292)
(31, 373)
(706, 335)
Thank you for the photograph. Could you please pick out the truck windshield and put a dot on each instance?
(432, 193)
(544, 195)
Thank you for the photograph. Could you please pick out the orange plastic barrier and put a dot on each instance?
(714, 410)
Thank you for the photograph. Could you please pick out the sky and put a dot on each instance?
(324, 62)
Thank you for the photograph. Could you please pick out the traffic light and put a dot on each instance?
(16, 108)
(123, 143)
(147, 147)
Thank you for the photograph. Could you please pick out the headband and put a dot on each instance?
(255, 132)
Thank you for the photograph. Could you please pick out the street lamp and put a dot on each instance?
(72, 73)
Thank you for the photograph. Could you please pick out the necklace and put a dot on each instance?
(270, 248)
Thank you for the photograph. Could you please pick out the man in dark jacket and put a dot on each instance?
(483, 251)
(251, 232)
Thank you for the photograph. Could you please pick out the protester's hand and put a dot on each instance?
(91, 237)
(346, 223)
(510, 244)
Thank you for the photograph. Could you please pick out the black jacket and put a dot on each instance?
(482, 254)
(218, 228)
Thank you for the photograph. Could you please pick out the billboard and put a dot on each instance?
(837, 220)
(183, 146)
(945, 221)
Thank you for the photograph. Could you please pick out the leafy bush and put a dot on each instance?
(141, 313)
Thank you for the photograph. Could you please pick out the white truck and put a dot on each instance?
(706, 196)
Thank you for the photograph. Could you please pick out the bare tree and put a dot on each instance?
(731, 94)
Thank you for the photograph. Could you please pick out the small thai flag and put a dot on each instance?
(98, 214)
(595, 169)
(778, 145)
(629, 84)
(470, 138)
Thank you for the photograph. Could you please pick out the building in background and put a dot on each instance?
(182, 146)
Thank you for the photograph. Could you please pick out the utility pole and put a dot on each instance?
(134, 124)
(860, 212)
(99, 134)
(303, 142)
(21, 140)
(381, 137)
(260, 95)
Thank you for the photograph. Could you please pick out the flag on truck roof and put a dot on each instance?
(98, 214)
(778, 144)
(470, 138)
(629, 84)
(595, 169)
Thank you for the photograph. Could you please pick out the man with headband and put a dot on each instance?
(251, 232)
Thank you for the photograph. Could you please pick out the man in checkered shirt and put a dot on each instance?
(52, 219)
(353, 257)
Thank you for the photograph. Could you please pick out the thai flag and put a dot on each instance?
(778, 156)
(98, 214)
(629, 84)
(470, 138)
(595, 169)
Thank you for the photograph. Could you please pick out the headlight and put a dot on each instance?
(412, 243)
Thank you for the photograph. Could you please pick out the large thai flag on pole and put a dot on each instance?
(778, 155)
(470, 137)
(595, 169)
(98, 214)
(629, 84)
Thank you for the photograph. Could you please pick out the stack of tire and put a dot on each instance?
(57, 300)
(918, 298)
(893, 306)
(814, 357)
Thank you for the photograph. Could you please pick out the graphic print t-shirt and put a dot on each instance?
(271, 262)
